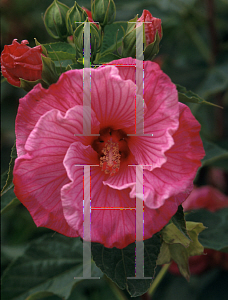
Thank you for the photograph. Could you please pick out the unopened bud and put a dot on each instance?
(55, 20)
(103, 11)
(74, 16)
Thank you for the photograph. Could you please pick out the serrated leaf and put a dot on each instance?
(8, 185)
(13, 203)
(4, 178)
(118, 264)
(179, 221)
(216, 235)
(188, 96)
(49, 264)
(174, 249)
(8, 198)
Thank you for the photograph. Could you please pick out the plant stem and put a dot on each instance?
(158, 279)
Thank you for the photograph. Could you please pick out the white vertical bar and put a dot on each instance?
(139, 259)
(86, 225)
(139, 79)
(139, 223)
(139, 253)
(86, 82)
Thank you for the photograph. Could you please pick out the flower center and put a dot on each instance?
(112, 148)
(110, 162)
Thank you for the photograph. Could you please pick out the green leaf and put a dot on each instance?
(74, 66)
(60, 47)
(8, 198)
(179, 221)
(107, 58)
(49, 264)
(60, 55)
(29, 85)
(214, 153)
(9, 182)
(39, 296)
(188, 96)
(172, 235)
(113, 34)
(61, 51)
(118, 264)
(152, 49)
(49, 74)
(43, 48)
(216, 235)
(7, 203)
(177, 247)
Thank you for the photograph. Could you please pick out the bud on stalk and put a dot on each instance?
(103, 11)
(95, 40)
(74, 16)
(55, 20)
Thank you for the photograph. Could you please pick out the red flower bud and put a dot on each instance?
(21, 61)
(152, 25)
(88, 13)
(90, 18)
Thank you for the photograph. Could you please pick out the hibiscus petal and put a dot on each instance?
(183, 160)
(161, 115)
(206, 197)
(37, 184)
(112, 98)
(39, 175)
(125, 177)
(10, 78)
(66, 93)
(113, 228)
(55, 132)
(110, 225)
(156, 219)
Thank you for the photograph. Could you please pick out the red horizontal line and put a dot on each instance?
(113, 208)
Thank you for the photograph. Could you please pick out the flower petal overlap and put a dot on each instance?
(52, 150)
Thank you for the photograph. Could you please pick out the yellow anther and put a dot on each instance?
(110, 162)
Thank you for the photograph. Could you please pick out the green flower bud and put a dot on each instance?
(129, 40)
(75, 15)
(103, 11)
(95, 41)
(152, 34)
(55, 20)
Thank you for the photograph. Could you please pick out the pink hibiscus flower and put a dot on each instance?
(51, 147)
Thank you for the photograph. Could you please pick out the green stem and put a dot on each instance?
(116, 291)
(198, 41)
(158, 279)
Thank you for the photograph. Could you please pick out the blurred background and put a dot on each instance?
(194, 53)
